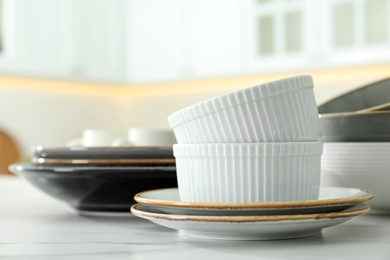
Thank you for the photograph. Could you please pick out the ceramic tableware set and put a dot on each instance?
(248, 167)
(99, 180)
(355, 130)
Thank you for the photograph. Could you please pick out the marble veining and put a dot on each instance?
(35, 226)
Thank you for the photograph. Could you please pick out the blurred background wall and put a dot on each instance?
(67, 65)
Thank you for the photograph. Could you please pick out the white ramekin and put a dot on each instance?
(280, 111)
(248, 172)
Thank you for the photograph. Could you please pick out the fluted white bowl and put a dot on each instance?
(248, 172)
(364, 165)
(280, 111)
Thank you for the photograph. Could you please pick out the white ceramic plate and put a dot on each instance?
(249, 227)
(331, 199)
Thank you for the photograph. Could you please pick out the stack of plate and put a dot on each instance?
(251, 221)
(99, 180)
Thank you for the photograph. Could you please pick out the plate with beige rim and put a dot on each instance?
(269, 227)
(330, 199)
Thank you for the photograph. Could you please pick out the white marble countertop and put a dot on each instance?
(35, 226)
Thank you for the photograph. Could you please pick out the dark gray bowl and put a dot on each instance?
(371, 95)
(96, 189)
(355, 127)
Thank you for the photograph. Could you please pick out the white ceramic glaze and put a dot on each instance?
(248, 172)
(74, 142)
(358, 158)
(141, 136)
(102, 137)
(330, 199)
(362, 165)
(250, 227)
(278, 111)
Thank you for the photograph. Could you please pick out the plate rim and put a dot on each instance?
(256, 205)
(99, 152)
(356, 210)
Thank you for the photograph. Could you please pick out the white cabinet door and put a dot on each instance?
(72, 39)
(182, 39)
(36, 37)
(278, 37)
(98, 40)
(287, 35)
(156, 48)
(357, 32)
(215, 35)
(142, 41)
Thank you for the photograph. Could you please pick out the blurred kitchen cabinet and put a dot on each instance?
(288, 35)
(98, 40)
(215, 38)
(155, 40)
(357, 32)
(35, 37)
(132, 41)
(183, 39)
(279, 36)
(63, 39)
(140, 41)
(283, 35)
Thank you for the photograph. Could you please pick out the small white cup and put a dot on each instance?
(76, 141)
(140, 136)
(102, 137)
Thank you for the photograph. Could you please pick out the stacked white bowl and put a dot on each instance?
(258, 144)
